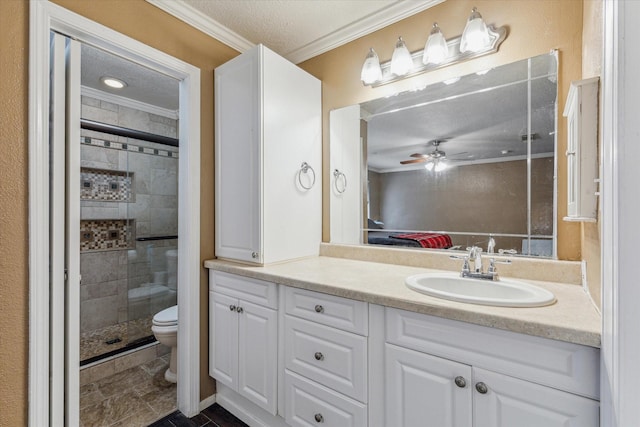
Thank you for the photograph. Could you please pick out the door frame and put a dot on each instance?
(44, 17)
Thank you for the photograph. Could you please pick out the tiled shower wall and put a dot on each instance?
(150, 208)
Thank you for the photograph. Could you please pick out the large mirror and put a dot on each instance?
(469, 161)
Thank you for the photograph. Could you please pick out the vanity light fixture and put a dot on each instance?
(475, 36)
(436, 49)
(478, 39)
(401, 61)
(371, 71)
(112, 82)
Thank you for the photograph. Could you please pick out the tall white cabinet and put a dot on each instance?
(268, 159)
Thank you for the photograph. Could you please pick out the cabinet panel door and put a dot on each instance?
(257, 355)
(512, 402)
(238, 159)
(223, 341)
(421, 390)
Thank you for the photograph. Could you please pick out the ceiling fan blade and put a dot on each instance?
(421, 156)
(408, 162)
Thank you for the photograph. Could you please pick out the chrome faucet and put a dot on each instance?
(475, 254)
(491, 245)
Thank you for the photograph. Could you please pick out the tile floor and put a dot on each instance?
(133, 397)
(214, 416)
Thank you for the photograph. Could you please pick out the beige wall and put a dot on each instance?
(141, 21)
(535, 27)
(591, 67)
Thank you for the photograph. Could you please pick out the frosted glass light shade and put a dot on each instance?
(401, 61)
(429, 165)
(440, 166)
(475, 36)
(371, 71)
(435, 50)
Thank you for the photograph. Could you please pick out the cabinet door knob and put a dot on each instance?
(240, 309)
(233, 308)
(319, 418)
(482, 388)
(319, 308)
(460, 382)
(254, 255)
(319, 356)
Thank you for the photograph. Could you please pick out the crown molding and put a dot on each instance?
(380, 19)
(209, 26)
(373, 22)
(127, 102)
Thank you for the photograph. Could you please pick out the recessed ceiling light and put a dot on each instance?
(112, 82)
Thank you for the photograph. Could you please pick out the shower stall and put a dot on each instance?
(128, 227)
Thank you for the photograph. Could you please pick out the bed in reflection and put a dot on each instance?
(412, 240)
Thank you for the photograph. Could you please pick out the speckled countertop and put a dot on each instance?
(573, 318)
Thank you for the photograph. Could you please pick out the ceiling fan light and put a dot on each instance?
(401, 61)
(429, 166)
(436, 49)
(440, 166)
(371, 71)
(475, 36)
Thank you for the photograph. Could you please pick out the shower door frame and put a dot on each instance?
(44, 18)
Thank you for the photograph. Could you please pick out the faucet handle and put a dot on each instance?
(465, 263)
(493, 262)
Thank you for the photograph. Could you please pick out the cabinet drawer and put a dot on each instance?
(248, 289)
(332, 357)
(566, 366)
(310, 404)
(342, 313)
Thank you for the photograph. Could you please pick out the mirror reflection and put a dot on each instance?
(469, 161)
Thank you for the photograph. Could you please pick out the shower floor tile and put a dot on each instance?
(135, 397)
(94, 343)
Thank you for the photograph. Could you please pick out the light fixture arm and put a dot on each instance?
(496, 37)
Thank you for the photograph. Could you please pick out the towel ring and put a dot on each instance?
(305, 168)
(337, 174)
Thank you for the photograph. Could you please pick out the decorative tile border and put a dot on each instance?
(105, 185)
(96, 142)
(107, 234)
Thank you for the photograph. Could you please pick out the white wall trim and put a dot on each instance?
(620, 207)
(128, 102)
(208, 401)
(46, 16)
(209, 26)
(380, 19)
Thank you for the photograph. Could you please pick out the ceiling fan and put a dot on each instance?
(433, 160)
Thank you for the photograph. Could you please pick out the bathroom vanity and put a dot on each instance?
(343, 342)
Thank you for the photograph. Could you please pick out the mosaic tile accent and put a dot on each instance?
(108, 234)
(128, 147)
(105, 185)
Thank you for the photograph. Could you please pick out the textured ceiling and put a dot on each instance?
(286, 25)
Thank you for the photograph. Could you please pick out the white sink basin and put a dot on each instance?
(503, 293)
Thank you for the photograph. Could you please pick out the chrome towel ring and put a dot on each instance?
(305, 168)
(337, 175)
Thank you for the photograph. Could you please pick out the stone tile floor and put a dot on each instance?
(214, 416)
(135, 397)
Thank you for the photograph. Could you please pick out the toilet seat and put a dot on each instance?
(167, 317)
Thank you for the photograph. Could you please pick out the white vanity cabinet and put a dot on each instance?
(268, 154)
(243, 345)
(325, 358)
(445, 373)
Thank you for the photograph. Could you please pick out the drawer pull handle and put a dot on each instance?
(240, 310)
(233, 308)
(460, 382)
(319, 418)
(319, 309)
(482, 388)
(319, 356)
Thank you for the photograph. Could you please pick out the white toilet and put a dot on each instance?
(165, 329)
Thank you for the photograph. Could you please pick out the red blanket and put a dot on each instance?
(427, 240)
